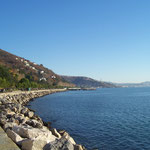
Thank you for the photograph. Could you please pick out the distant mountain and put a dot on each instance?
(22, 67)
(87, 82)
(142, 84)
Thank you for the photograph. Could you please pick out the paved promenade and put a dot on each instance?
(6, 143)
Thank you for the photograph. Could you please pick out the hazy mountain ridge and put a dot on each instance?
(81, 81)
(142, 84)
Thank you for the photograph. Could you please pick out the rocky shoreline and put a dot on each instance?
(28, 130)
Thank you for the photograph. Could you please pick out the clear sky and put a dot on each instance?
(107, 40)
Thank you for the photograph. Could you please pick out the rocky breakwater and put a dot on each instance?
(26, 129)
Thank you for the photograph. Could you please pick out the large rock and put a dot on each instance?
(34, 123)
(14, 109)
(9, 125)
(69, 138)
(19, 107)
(60, 144)
(54, 132)
(33, 144)
(21, 118)
(24, 110)
(3, 121)
(14, 136)
(30, 114)
(30, 132)
(78, 147)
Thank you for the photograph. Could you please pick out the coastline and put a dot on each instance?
(28, 130)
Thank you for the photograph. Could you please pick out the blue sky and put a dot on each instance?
(107, 40)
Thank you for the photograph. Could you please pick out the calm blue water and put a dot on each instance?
(107, 119)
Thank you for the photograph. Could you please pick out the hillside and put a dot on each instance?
(87, 82)
(22, 68)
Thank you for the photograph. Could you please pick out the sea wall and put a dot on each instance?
(28, 130)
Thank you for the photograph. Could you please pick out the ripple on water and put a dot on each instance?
(107, 119)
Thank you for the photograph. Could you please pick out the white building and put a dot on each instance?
(41, 72)
(43, 79)
(53, 77)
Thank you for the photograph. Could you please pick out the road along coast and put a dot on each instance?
(28, 130)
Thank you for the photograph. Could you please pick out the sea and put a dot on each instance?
(103, 119)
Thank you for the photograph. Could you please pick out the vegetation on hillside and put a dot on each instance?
(8, 79)
(18, 72)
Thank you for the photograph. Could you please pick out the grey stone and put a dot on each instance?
(34, 123)
(30, 114)
(54, 132)
(26, 131)
(14, 136)
(33, 144)
(9, 125)
(14, 109)
(60, 144)
(19, 107)
(3, 121)
(9, 116)
(24, 110)
(78, 147)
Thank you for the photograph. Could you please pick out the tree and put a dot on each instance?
(24, 83)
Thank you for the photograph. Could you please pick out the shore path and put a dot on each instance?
(28, 92)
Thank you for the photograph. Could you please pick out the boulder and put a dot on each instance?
(9, 116)
(21, 118)
(8, 111)
(14, 136)
(34, 123)
(26, 131)
(30, 114)
(3, 121)
(33, 144)
(35, 117)
(14, 109)
(60, 144)
(69, 138)
(78, 147)
(9, 125)
(19, 107)
(54, 132)
(3, 115)
(2, 107)
(24, 110)
(61, 132)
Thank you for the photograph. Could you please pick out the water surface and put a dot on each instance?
(107, 119)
